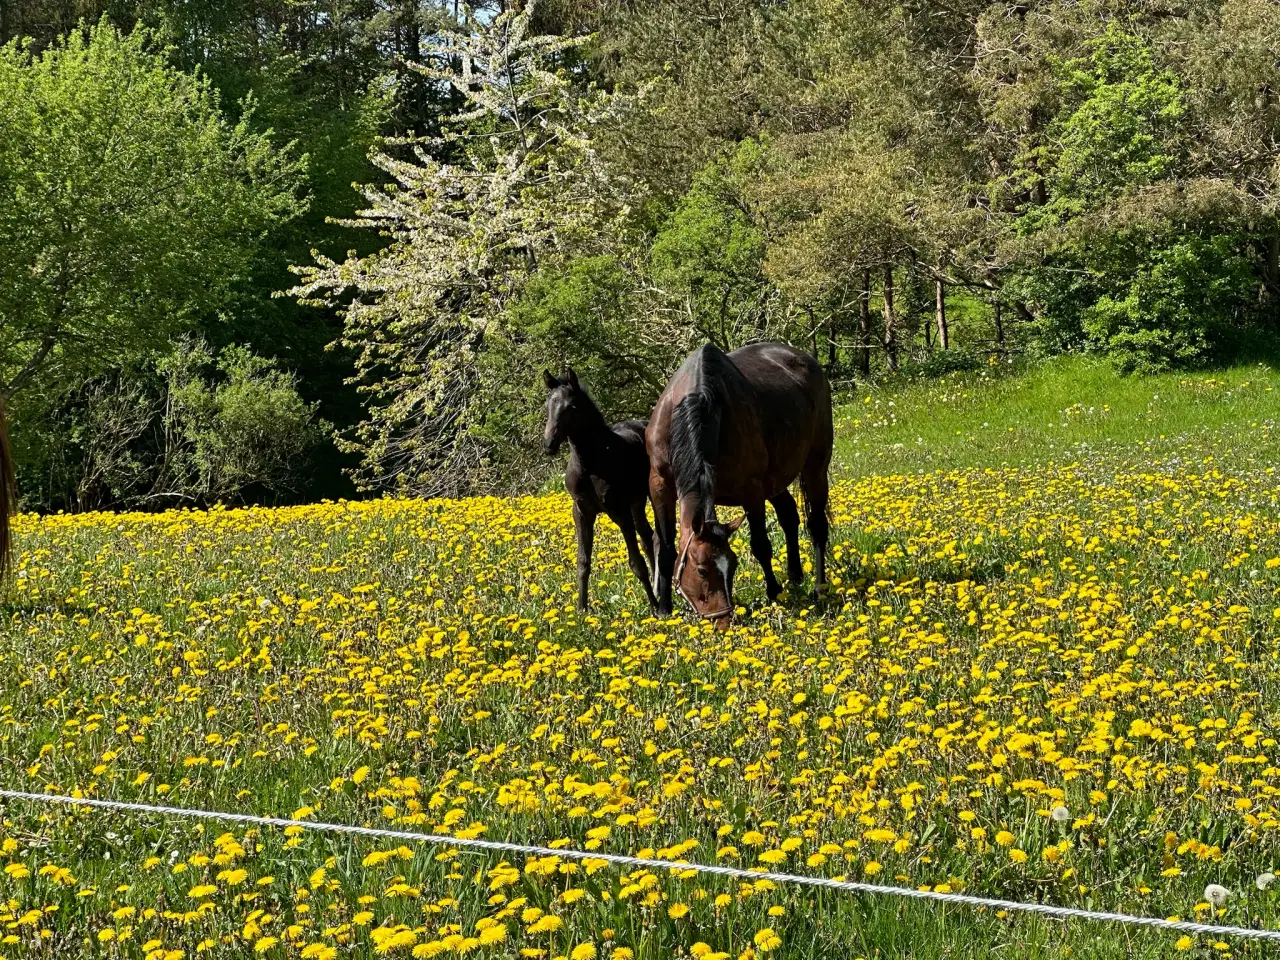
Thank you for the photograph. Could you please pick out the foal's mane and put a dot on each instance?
(695, 434)
(592, 408)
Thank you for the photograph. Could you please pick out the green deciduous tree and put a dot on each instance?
(129, 206)
(708, 256)
(1130, 250)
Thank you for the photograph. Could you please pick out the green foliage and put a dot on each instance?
(191, 426)
(593, 313)
(709, 255)
(129, 206)
(1172, 308)
(233, 423)
(1058, 176)
(581, 316)
(1150, 292)
(1123, 131)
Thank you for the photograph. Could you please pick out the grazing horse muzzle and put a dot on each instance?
(721, 617)
(550, 445)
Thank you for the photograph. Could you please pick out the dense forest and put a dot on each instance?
(290, 249)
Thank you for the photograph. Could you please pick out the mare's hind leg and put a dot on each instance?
(814, 486)
(763, 549)
(584, 522)
(626, 523)
(644, 530)
(784, 505)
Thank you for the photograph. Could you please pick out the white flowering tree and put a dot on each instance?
(512, 184)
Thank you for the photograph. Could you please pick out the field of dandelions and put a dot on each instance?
(1055, 683)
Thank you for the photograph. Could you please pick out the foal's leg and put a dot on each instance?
(662, 493)
(814, 484)
(784, 505)
(644, 530)
(584, 522)
(762, 549)
(626, 523)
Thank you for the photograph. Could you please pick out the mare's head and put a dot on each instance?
(704, 574)
(568, 408)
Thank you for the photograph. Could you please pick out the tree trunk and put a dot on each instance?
(890, 321)
(943, 338)
(864, 326)
(999, 318)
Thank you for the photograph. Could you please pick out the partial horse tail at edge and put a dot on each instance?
(8, 493)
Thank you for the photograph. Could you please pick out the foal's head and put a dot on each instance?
(705, 572)
(568, 409)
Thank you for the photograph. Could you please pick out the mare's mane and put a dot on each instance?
(695, 433)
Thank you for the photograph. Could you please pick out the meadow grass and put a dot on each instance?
(1036, 413)
(1053, 681)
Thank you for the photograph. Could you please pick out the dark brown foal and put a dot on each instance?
(608, 473)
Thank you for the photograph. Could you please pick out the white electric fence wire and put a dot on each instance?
(1182, 926)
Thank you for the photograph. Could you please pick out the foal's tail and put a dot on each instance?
(8, 493)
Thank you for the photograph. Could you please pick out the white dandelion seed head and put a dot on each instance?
(1060, 814)
(1264, 880)
(1216, 895)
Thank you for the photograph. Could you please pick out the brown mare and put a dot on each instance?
(608, 473)
(735, 430)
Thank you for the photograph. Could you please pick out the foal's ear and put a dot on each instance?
(573, 379)
(733, 525)
(550, 380)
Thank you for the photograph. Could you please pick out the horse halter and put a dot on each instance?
(684, 562)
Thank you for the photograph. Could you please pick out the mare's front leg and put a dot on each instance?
(762, 549)
(584, 522)
(663, 494)
(626, 523)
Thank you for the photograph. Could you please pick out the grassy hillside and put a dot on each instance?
(1055, 412)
